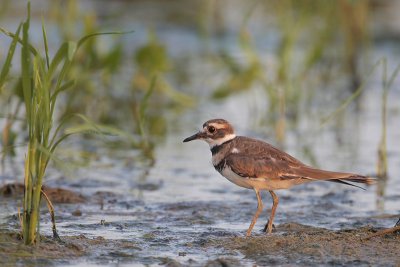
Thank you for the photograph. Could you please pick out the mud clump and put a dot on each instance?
(305, 245)
(56, 195)
(60, 195)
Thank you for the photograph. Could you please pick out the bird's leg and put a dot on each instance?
(259, 209)
(275, 200)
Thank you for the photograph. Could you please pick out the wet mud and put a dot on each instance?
(111, 229)
(298, 244)
(291, 244)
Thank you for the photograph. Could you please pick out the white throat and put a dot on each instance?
(219, 141)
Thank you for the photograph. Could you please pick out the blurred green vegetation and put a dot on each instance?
(310, 46)
(97, 86)
(315, 40)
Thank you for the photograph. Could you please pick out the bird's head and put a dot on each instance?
(215, 132)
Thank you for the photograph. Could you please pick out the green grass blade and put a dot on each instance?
(60, 125)
(101, 129)
(142, 108)
(88, 127)
(19, 40)
(71, 50)
(63, 87)
(42, 89)
(67, 53)
(59, 140)
(46, 47)
(144, 102)
(61, 76)
(47, 155)
(394, 75)
(85, 38)
(60, 55)
(26, 77)
(10, 55)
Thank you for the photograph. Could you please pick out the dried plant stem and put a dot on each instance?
(53, 218)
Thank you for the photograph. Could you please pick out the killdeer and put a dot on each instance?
(257, 165)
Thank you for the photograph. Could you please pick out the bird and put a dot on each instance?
(257, 165)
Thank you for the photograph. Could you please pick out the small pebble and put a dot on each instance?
(77, 213)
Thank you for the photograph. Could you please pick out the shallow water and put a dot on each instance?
(182, 203)
(174, 209)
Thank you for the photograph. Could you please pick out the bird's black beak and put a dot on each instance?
(196, 136)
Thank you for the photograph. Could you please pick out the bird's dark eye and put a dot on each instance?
(211, 129)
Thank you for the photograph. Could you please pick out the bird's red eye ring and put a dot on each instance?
(211, 129)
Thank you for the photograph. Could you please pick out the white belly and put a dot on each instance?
(236, 179)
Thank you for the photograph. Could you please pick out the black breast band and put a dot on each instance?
(220, 166)
(216, 149)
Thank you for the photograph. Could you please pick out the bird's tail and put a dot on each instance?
(337, 177)
(355, 178)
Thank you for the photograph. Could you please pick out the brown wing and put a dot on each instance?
(258, 159)
(260, 150)
(246, 166)
(262, 160)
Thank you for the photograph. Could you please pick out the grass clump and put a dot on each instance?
(42, 80)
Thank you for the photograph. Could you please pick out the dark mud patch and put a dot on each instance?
(56, 195)
(52, 252)
(305, 245)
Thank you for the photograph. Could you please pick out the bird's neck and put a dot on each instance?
(216, 142)
(217, 147)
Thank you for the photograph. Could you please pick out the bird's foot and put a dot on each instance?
(56, 237)
(266, 228)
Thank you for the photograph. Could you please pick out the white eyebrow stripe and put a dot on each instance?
(216, 125)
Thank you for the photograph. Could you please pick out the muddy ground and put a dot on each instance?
(292, 244)
(185, 234)
(305, 245)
